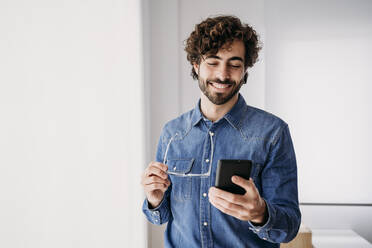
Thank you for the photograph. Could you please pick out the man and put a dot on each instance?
(179, 184)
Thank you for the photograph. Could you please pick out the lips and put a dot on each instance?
(220, 87)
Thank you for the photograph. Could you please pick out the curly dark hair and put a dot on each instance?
(215, 32)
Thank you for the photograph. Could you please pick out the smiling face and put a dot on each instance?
(221, 75)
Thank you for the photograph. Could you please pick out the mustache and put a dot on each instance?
(216, 80)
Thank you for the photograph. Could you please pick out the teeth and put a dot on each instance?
(220, 86)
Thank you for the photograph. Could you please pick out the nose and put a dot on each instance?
(223, 73)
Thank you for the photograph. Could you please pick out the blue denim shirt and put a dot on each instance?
(243, 133)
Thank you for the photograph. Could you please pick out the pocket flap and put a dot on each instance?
(180, 165)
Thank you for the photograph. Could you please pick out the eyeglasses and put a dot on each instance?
(207, 174)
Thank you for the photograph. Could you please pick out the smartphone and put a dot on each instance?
(226, 168)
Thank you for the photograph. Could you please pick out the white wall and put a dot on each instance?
(318, 79)
(71, 124)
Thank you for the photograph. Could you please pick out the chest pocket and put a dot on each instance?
(181, 184)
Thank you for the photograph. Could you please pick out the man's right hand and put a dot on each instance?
(155, 182)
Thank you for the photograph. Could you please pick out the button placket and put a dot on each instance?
(204, 187)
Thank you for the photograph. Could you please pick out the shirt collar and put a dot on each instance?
(197, 115)
(233, 116)
(236, 113)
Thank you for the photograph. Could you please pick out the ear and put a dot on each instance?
(196, 68)
(245, 77)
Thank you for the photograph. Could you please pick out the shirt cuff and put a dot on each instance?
(153, 214)
(263, 230)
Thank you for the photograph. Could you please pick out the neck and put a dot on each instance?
(215, 112)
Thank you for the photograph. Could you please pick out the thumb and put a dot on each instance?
(248, 185)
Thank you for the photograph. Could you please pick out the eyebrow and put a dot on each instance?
(217, 57)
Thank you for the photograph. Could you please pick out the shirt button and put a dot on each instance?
(205, 194)
(207, 160)
(205, 223)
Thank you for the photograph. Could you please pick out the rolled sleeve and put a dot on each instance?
(263, 230)
(158, 215)
(279, 189)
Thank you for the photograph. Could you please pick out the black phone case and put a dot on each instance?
(226, 168)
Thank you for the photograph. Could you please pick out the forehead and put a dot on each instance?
(233, 49)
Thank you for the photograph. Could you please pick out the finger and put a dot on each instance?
(252, 196)
(228, 208)
(152, 170)
(248, 185)
(244, 183)
(161, 166)
(155, 179)
(156, 186)
(254, 185)
(226, 204)
(230, 197)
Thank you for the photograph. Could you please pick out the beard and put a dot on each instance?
(216, 97)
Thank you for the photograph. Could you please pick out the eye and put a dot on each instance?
(235, 66)
(212, 63)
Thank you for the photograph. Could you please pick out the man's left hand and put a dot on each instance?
(249, 206)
